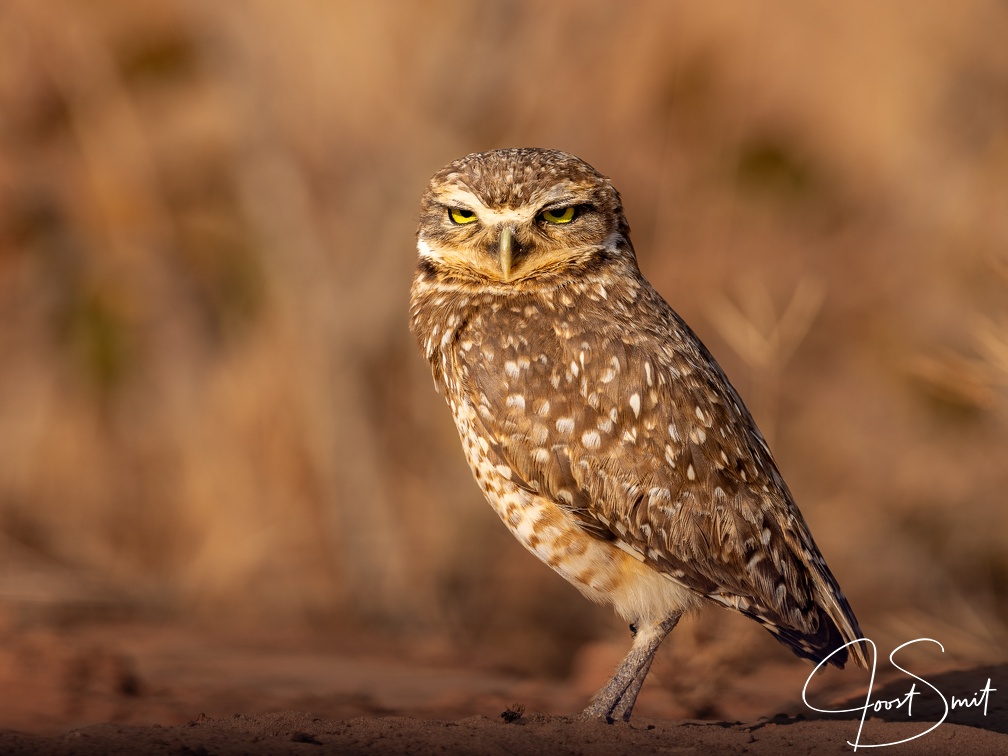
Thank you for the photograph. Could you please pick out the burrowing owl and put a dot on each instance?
(599, 427)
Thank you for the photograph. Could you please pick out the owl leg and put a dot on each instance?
(617, 697)
(626, 702)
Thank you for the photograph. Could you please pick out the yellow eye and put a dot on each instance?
(559, 214)
(461, 216)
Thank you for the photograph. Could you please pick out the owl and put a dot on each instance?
(598, 426)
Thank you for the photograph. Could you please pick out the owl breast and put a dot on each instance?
(517, 402)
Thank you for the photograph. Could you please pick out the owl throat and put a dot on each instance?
(458, 318)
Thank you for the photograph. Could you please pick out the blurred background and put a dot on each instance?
(213, 417)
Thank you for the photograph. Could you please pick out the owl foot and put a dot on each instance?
(617, 697)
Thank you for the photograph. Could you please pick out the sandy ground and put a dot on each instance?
(141, 688)
(297, 733)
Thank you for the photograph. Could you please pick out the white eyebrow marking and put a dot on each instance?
(505, 216)
(488, 216)
(459, 196)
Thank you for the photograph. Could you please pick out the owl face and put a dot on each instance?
(507, 216)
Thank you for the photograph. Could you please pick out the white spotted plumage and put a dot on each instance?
(598, 426)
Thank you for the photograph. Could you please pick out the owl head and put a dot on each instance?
(513, 215)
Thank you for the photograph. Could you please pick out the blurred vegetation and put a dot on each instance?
(210, 405)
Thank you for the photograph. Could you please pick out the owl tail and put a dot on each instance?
(832, 634)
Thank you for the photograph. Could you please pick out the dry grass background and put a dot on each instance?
(211, 408)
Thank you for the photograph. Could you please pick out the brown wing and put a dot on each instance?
(630, 423)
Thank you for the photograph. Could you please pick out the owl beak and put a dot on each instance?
(505, 248)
